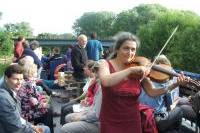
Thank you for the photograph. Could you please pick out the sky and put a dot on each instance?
(58, 16)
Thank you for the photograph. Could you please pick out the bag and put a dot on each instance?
(147, 119)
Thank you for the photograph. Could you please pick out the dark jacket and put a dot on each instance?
(79, 60)
(10, 112)
(29, 52)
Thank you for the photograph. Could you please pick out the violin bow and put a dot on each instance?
(163, 48)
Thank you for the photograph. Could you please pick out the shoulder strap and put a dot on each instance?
(111, 68)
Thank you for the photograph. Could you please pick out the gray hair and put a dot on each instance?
(120, 38)
(34, 44)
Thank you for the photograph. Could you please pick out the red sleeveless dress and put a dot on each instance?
(120, 107)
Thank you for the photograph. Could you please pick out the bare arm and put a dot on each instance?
(148, 87)
(110, 79)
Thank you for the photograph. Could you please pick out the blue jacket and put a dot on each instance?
(10, 112)
(94, 49)
(158, 102)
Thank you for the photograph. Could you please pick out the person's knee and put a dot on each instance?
(69, 118)
(178, 113)
(46, 129)
(171, 121)
(67, 129)
(183, 101)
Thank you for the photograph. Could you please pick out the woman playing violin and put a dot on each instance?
(119, 110)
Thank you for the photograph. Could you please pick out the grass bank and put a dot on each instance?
(2, 68)
(4, 62)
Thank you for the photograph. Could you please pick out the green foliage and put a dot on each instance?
(100, 22)
(153, 24)
(19, 29)
(148, 12)
(183, 48)
(131, 20)
(6, 43)
(125, 21)
(2, 68)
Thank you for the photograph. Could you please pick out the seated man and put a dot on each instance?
(10, 119)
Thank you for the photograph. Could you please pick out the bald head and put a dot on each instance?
(82, 40)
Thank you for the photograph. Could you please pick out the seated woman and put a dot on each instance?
(34, 103)
(171, 119)
(158, 102)
(44, 86)
(89, 91)
(86, 121)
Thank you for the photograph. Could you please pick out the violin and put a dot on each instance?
(155, 74)
(173, 73)
(159, 72)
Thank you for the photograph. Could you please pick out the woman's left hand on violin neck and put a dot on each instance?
(182, 79)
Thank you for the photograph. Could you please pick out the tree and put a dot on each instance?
(131, 20)
(183, 48)
(19, 29)
(148, 12)
(125, 21)
(100, 22)
(6, 43)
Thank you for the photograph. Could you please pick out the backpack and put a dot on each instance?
(147, 119)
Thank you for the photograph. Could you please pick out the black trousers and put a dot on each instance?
(46, 119)
(65, 110)
(170, 122)
(188, 111)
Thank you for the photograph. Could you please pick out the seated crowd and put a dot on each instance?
(115, 98)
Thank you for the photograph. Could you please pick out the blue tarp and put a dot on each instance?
(190, 74)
